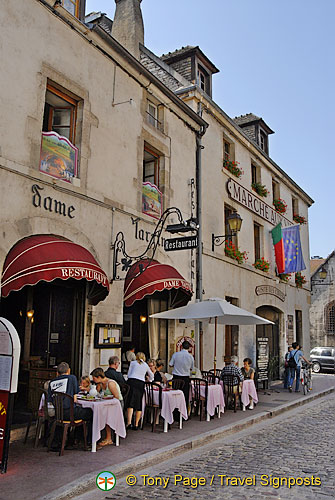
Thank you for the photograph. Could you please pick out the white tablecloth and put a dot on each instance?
(248, 389)
(215, 398)
(171, 400)
(107, 411)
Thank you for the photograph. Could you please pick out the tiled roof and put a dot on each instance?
(177, 52)
(315, 264)
(248, 118)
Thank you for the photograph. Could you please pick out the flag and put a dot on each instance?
(278, 244)
(294, 261)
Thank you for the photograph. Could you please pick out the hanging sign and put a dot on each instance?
(185, 243)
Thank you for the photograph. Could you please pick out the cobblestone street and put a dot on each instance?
(299, 445)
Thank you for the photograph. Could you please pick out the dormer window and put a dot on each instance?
(72, 6)
(263, 141)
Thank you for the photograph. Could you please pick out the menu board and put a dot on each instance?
(107, 335)
(262, 358)
(5, 372)
(5, 341)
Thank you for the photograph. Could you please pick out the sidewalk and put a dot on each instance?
(36, 474)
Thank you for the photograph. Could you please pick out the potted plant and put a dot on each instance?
(280, 205)
(260, 189)
(299, 280)
(231, 251)
(262, 265)
(300, 219)
(233, 168)
(285, 277)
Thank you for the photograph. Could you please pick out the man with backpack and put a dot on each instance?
(294, 366)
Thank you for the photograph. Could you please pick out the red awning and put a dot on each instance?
(156, 277)
(46, 258)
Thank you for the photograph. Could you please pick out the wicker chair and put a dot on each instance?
(199, 402)
(150, 405)
(231, 391)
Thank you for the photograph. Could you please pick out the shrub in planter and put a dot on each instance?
(280, 205)
(231, 251)
(260, 189)
(262, 265)
(300, 279)
(284, 277)
(299, 219)
(233, 168)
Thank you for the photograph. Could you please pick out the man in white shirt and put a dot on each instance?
(183, 364)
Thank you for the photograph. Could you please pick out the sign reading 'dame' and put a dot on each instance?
(185, 243)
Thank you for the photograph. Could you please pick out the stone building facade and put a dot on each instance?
(105, 137)
(322, 312)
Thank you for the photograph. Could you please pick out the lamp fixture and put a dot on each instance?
(322, 273)
(130, 101)
(143, 318)
(234, 221)
(30, 313)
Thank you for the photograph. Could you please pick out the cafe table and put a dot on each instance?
(171, 400)
(105, 411)
(248, 389)
(215, 399)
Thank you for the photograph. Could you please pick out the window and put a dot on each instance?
(330, 317)
(60, 113)
(226, 150)
(257, 241)
(152, 114)
(275, 190)
(295, 206)
(298, 326)
(326, 352)
(263, 141)
(72, 6)
(255, 177)
(150, 167)
(203, 79)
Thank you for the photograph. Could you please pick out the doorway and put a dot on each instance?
(272, 333)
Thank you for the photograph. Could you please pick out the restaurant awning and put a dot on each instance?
(46, 258)
(155, 277)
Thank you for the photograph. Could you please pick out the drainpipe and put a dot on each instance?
(199, 286)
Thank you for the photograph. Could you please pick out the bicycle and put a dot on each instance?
(306, 377)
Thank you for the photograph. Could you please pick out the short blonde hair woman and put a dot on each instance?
(137, 372)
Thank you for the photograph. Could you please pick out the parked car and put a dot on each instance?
(323, 358)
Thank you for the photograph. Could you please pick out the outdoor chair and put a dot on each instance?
(39, 415)
(150, 406)
(217, 372)
(199, 402)
(177, 384)
(231, 391)
(210, 377)
(58, 401)
(124, 388)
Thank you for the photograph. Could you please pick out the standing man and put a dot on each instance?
(183, 364)
(294, 363)
(112, 372)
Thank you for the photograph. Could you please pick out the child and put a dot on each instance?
(84, 384)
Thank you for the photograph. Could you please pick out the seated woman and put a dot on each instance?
(136, 378)
(84, 384)
(153, 368)
(109, 388)
(248, 373)
(158, 375)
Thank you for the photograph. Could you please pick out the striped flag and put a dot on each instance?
(278, 243)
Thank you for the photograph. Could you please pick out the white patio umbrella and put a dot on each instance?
(222, 311)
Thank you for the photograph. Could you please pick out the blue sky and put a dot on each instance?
(276, 60)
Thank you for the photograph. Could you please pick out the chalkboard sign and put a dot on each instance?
(262, 359)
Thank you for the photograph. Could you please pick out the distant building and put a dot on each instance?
(322, 311)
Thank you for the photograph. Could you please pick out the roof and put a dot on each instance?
(319, 263)
(189, 50)
(250, 118)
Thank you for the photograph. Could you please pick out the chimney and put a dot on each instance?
(128, 27)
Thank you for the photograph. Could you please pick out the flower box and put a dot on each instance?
(231, 251)
(284, 277)
(233, 168)
(299, 219)
(299, 280)
(262, 265)
(280, 205)
(260, 189)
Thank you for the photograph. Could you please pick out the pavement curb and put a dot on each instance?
(133, 465)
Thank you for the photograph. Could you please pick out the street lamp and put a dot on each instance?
(235, 222)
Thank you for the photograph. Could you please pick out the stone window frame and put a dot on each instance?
(275, 189)
(228, 148)
(69, 103)
(330, 317)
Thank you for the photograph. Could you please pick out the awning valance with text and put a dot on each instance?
(46, 257)
(155, 277)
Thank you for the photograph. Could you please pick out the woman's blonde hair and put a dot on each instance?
(140, 357)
